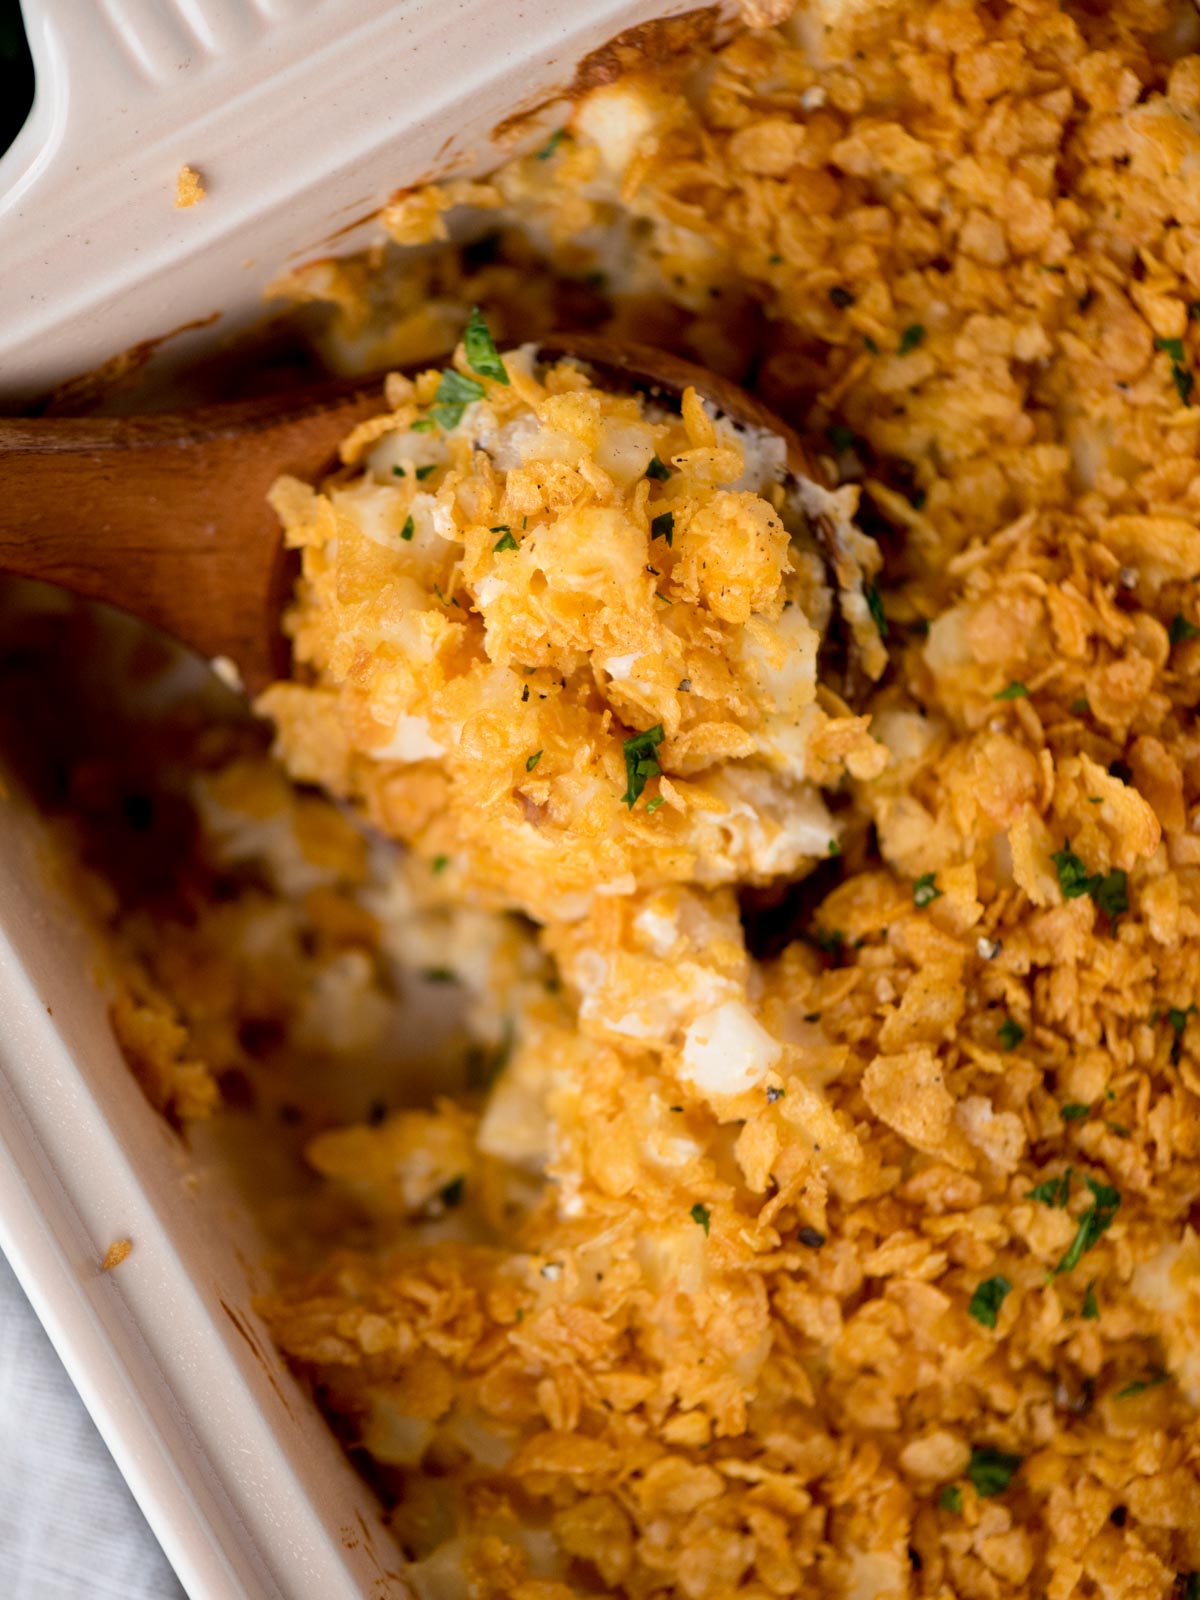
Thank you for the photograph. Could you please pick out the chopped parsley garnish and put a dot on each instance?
(397, 472)
(454, 394)
(440, 975)
(1080, 707)
(440, 863)
(870, 344)
(1094, 1222)
(551, 144)
(1152, 1380)
(1178, 1019)
(811, 1238)
(653, 805)
(422, 425)
(1188, 1583)
(987, 1300)
(658, 469)
(950, 1499)
(480, 349)
(663, 527)
(1107, 889)
(841, 437)
(828, 941)
(1090, 1311)
(504, 542)
(424, 472)
(925, 890)
(533, 760)
(1055, 1191)
(453, 1192)
(702, 1215)
(833, 848)
(451, 602)
(1010, 1034)
(911, 338)
(1184, 381)
(991, 1470)
(1014, 691)
(1181, 629)
(875, 606)
(640, 763)
(1074, 1111)
(406, 532)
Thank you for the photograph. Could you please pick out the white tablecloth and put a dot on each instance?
(69, 1528)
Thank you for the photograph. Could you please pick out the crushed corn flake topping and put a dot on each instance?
(569, 1386)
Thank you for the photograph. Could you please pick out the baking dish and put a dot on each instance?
(302, 118)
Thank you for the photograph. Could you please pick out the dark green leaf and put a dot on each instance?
(841, 437)
(480, 348)
(406, 532)
(663, 527)
(875, 606)
(987, 1300)
(533, 760)
(1172, 347)
(640, 763)
(911, 338)
(925, 890)
(1074, 878)
(425, 472)
(1010, 1034)
(702, 1215)
(551, 144)
(1074, 1111)
(658, 469)
(991, 1470)
(455, 393)
(1181, 629)
(1055, 1191)
(653, 805)
(950, 1499)
(1110, 893)
(504, 542)
(1139, 1385)
(1094, 1222)
(1090, 1311)
(398, 472)
(440, 863)
(1014, 691)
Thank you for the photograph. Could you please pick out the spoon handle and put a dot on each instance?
(166, 516)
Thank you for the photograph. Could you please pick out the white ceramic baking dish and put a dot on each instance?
(302, 115)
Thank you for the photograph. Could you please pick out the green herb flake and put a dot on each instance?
(987, 1300)
(422, 425)
(480, 349)
(702, 1215)
(504, 542)
(1187, 1585)
(1172, 348)
(533, 760)
(1094, 1222)
(398, 472)
(870, 344)
(1181, 629)
(1090, 1311)
(551, 144)
(1014, 691)
(452, 1193)
(653, 805)
(829, 942)
(950, 1499)
(1180, 373)
(440, 863)
(425, 472)
(1152, 1380)
(1074, 878)
(911, 338)
(640, 763)
(1074, 1111)
(1178, 1019)
(875, 606)
(663, 527)
(991, 1470)
(1054, 1192)
(1080, 707)
(440, 975)
(407, 531)
(925, 890)
(1010, 1034)
(455, 393)
(833, 848)
(1111, 894)
(658, 470)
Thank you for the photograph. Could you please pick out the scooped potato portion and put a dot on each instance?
(565, 639)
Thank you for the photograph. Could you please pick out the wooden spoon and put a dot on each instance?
(166, 516)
